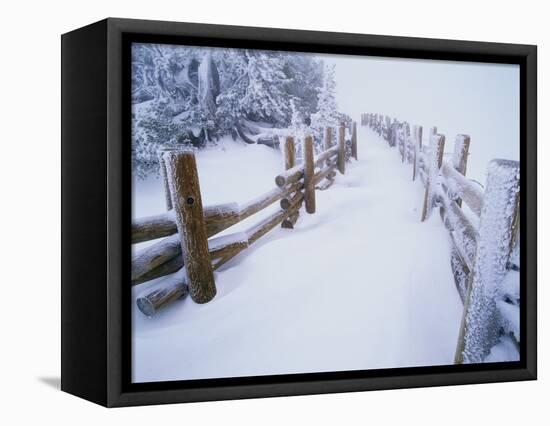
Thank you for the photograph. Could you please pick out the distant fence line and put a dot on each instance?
(483, 241)
(187, 250)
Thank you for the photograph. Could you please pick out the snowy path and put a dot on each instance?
(361, 284)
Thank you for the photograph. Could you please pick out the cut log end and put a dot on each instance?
(146, 307)
(158, 299)
(290, 221)
(290, 202)
(280, 181)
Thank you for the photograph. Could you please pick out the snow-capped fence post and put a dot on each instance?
(290, 153)
(309, 170)
(342, 149)
(437, 143)
(460, 156)
(354, 140)
(480, 325)
(186, 199)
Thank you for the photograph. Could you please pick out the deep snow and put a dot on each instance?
(361, 284)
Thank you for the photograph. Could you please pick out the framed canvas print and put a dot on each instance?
(252, 212)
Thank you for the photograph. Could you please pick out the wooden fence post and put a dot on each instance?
(164, 177)
(408, 142)
(417, 147)
(290, 162)
(290, 152)
(328, 138)
(460, 156)
(402, 141)
(309, 171)
(480, 323)
(342, 150)
(436, 158)
(186, 199)
(354, 141)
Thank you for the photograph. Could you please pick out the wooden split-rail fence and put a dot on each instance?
(485, 237)
(190, 252)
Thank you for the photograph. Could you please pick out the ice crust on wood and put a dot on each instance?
(493, 253)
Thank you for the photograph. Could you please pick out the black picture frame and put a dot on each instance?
(96, 212)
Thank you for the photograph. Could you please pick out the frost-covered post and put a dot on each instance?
(290, 152)
(480, 323)
(183, 179)
(437, 143)
(417, 147)
(407, 142)
(354, 140)
(342, 150)
(328, 138)
(460, 156)
(309, 172)
(164, 177)
(402, 140)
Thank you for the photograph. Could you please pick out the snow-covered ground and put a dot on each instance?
(360, 284)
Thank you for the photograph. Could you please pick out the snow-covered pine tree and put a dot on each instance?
(184, 95)
(232, 66)
(305, 74)
(297, 125)
(327, 107)
(266, 99)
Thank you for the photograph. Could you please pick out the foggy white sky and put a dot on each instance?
(481, 100)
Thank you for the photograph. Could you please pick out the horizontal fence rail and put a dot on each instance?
(484, 237)
(188, 251)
